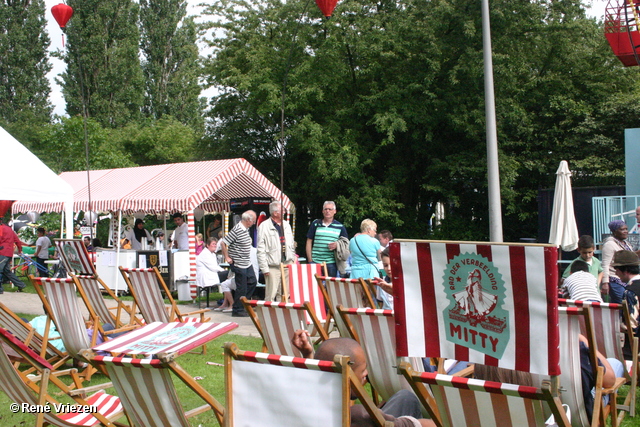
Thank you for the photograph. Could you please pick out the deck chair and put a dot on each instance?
(277, 323)
(573, 321)
(607, 319)
(303, 287)
(350, 293)
(145, 285)
(75, 258)
(289, 391)
(455, 401)
(31, 338)
(22, 390)
(61, 305)
(148, 394)
(90, 289)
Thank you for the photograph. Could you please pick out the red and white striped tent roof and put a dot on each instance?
(176, 187)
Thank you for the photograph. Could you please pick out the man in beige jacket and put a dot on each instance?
(275, 246)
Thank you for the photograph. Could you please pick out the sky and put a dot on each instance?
(55, 34)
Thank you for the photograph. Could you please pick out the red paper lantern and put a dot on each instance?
(62, 13)
(327, 6)
(5, 205)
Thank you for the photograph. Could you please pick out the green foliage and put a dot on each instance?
(103, 73)
(24, 88)
(61, 146)
(156, 142)
(171, 66)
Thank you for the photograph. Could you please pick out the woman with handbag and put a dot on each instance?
(364, 248)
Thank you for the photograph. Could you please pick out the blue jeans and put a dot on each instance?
(5, 271)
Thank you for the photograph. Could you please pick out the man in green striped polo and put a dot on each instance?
(322, 237)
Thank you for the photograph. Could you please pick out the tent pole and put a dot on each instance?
(118, 249)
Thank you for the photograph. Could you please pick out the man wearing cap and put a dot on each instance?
(8, 238)
(180, 236)
(627, 266)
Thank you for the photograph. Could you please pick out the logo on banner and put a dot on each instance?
(153, 260)
(475, 317)
(157, 342)
(73, 258)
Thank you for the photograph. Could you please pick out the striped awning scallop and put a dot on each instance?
(177, 187)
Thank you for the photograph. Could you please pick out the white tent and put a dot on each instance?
(26, 178)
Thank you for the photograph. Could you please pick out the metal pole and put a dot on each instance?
(493, 172)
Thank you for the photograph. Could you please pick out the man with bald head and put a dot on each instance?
(403, 408)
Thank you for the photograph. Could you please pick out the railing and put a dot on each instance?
(607, 209)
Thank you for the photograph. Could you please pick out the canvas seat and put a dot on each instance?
(350, 293)
(277, 323)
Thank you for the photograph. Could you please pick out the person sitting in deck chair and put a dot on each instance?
(403, 408)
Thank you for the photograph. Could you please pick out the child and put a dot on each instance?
(581, 285)
(385, 291)
(586, 248)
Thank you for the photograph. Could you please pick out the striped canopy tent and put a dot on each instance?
(177, 187)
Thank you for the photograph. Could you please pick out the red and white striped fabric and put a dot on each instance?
(277, 324)
(376, 334)
(148, 395)
(529, 298)
(143, 285)
(303, 287)
(17, 390)
(174, 337)
(75, 257)
(165, 188)
(191, 226)
(470, 402)
(91, 287)
(348, 293)
(285, 391)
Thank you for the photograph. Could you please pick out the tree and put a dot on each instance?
(103, 73)
(24, 88)
(385, 106)
(171, 64)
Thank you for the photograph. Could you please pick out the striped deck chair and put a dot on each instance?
(90, 289)
(277, 322)
(571, 322)
(31, 338)
(290, 391)
(145, 285)
(22, 390)
(607, 329)
(455, 401)
(303, 287)
(75, 258)
(61, 304)
(349, 293)
(148, 394)
(375, 329)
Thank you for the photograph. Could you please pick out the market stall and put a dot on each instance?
(192, 188)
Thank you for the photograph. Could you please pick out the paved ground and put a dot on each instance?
(30, 304)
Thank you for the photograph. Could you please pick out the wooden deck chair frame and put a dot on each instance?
(485, 402)
(141, 382)
(75, 257)
(31, 338)
(350, 293)
(573, 321)
(241, 374)
(90, 289)
(304, 287)
(276, 322)
(606, 319)
(60, 304)
(22, 389)
(145, 285)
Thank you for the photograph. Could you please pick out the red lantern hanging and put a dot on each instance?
(62, 13)
(5, 205)
(327, 6)
(621, 22)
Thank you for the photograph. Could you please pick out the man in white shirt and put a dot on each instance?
(180, 237)
(636, 228)
(41, 253)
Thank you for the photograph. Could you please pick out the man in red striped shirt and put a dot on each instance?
(8, 238)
